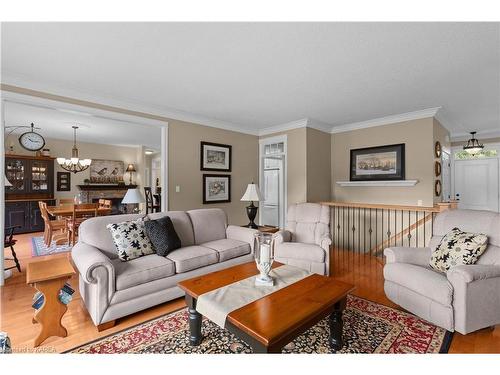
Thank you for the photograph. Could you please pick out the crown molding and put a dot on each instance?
(415, 115)
(15, 83)
(298, 124)
(302, 123)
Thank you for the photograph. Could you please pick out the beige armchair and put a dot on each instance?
(467, 297)
(306, 241)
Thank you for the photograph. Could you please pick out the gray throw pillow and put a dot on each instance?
(130, 239)
(162, 234)
(458, 248)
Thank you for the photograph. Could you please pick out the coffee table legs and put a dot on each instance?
(194, 322)
(337, 325)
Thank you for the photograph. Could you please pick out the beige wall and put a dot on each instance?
(62, 148)
(441, 134)
(418, 137)
(318, 165)
(184, 167)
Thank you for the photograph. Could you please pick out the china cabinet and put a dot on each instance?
(32, 180)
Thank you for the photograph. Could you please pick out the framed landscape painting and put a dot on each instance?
(216, 188)
(215, 157)
(378, 163)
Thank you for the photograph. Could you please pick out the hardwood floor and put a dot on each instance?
(16, 312)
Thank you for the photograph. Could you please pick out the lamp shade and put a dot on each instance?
(133, 196)
(130, 168)
(252, 193)
(7, 182)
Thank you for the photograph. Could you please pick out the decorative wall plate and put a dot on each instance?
(437, 168)
(437, 149)
(437, 188)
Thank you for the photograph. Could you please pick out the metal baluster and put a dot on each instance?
(381, 231)
(364, 235)
(425, 224)
(370, 230)
(416, 228)
(409, 230)
(402, 226)
(359, 234)
(376, 231)
(388, 227)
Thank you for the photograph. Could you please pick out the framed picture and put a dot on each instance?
(106, 171)
(215, 157)
(378, 163)
(437, 149)
(216, 188)
(63, 181)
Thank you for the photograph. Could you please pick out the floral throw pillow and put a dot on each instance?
(130, 239)
(458, 248)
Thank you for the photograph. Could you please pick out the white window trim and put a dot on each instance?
(262, 143)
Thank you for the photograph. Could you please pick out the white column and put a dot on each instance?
(2, 186)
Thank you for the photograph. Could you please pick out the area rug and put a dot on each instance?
(38, 247)
(368, 328)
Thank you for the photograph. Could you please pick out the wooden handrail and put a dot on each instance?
(387, 243)
(436, 208)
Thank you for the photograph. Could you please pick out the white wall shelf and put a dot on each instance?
(378, 183)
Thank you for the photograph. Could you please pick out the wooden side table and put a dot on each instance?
(48, 277)
(265, 228)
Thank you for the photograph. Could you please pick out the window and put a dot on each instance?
(464, 155)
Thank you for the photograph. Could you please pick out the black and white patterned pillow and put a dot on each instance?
(458, 248)
(130, 239)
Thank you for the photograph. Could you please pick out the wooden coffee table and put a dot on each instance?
(271, 322)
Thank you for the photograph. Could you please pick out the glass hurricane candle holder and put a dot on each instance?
(264, 257)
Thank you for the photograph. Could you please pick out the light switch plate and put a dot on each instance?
(177, 189)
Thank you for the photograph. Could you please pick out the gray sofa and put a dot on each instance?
(467, 297)
(112, 289)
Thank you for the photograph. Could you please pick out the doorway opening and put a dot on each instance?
(273, 181)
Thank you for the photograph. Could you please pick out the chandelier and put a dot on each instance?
(74, 164)
(473, 146)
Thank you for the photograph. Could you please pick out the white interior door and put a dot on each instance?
(476, 184)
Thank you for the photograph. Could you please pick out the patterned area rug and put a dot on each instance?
(368, 328)
(38, 247)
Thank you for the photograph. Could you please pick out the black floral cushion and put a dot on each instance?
(162, 235)
(130, 239)
(458, 248)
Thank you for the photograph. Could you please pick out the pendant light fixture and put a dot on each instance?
(74, 164)
(473, 146)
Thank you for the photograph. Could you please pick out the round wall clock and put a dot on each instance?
(437, 188)
(437, 149)
(437, 168)
(32, 141)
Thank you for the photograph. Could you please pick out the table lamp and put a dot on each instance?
(133, 196)
(252, 194)
(130, 169)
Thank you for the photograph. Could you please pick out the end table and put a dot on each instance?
(265, 228)
(48, 277)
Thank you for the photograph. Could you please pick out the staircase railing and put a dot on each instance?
(365, 230)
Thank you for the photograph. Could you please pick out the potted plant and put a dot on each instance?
(86, 181)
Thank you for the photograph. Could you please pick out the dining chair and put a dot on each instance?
(151, 206)
(50, 226)
(9, 241)
(81, 212)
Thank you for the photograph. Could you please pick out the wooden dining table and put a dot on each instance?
(67, 210)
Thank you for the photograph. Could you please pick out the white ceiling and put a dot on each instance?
(257, 75)
(57, 124)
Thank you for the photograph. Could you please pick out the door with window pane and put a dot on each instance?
(272, 184)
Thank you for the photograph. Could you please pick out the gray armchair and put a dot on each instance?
(466, 298)
(306, 241)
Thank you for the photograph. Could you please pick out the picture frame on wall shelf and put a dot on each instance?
(378, 163)
(107, 171)
(215, 157)
(63, 181)
(216, 188)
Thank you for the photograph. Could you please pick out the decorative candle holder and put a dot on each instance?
(264, 257)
